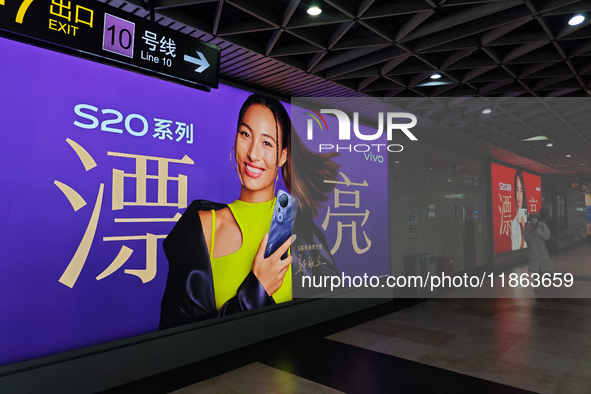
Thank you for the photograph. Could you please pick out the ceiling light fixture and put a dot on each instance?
(576, 20)
(314, 10)
(435, 76)
(536, 138)
(486, 111)
(550, 145)
(568, 155)
(435, 83)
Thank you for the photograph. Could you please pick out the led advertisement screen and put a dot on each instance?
(98, 165)
(516, 193)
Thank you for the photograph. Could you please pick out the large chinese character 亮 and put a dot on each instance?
(533, 205)
(347, 198)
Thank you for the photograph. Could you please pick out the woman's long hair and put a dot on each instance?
(304, 171)
(519, 174)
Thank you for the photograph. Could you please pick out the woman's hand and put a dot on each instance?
(270, 271)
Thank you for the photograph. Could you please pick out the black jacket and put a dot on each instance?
(189, 294)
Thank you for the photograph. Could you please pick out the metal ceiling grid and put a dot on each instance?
(385, 48)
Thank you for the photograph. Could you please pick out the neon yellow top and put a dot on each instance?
(229, 271)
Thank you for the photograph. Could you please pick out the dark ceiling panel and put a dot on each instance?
(385, 48)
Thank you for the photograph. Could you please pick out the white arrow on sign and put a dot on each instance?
(201, 62)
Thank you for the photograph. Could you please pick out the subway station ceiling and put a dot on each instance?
(519, 57)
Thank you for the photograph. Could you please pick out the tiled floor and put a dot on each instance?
(543, 346)
(257, 378)
(447, 345)
(539, 344)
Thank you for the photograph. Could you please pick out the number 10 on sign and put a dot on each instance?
(118, 35)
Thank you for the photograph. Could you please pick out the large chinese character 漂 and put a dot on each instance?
(74, 268)
(505, 210)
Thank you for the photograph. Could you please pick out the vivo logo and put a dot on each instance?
(505, 186)
(371, 156)
(402, 121)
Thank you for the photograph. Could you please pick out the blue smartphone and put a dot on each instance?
(284, 214)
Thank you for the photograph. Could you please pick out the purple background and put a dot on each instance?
(108, 37)
(40, 231)
(374, 197)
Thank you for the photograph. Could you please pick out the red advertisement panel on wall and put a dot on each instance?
(515, 194)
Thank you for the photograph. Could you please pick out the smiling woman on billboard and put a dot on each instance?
(515, 193)
(216, 251)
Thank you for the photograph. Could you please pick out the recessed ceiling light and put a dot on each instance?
(435, 76)
(486, 111)
(576, 20)
(314, 10)
(549, 145)
(568, 156)
(536, 138)
(435, 82)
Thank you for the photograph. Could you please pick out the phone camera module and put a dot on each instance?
(283, 200)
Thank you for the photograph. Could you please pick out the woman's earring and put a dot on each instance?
(282, 180)
(276, 179)
(231, 164)
(234, 168)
